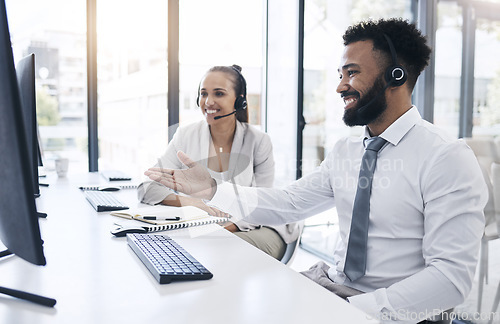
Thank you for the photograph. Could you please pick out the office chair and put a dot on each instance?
(495, 176)
(486, 153)
(444, 318)
(291, 248)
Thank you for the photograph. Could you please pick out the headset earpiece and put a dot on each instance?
(241, 100)
(395, 75)
(240, 103)
(198, 95)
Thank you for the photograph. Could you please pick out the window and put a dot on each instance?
(132, 84)
(486, 109)
(448, 67)
(324, 25)
(132, 70)
(59, 44)
(224, 32)
(281, 87)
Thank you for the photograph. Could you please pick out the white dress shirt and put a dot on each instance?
(426, 216)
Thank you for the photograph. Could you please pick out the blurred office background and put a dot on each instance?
(289, 51)
(261, 36)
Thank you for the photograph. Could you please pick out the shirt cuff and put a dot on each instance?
(376, 305)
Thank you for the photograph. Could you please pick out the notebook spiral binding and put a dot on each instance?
(97, 187)
(166, 227)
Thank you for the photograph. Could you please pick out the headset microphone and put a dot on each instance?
(374, 98)
(219, 117)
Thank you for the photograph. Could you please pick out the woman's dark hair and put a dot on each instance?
(410, 45)
(240, 86)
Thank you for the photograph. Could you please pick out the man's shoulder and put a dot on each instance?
(431, 143)
(434, 131)
(433, 136)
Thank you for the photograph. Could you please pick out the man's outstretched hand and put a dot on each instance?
(195, 181)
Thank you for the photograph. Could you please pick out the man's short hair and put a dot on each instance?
(410, 45)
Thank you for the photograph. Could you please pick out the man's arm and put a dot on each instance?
(151, 192)
(305, 197)
(268, 206)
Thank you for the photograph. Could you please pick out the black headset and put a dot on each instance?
(241, 101)
(396, 74)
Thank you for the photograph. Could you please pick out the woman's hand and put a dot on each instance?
(231, 227)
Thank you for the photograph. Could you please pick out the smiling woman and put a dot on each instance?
(231, 150)
(133, 69)
(223, 93)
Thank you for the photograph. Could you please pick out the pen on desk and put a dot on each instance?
(171, 218)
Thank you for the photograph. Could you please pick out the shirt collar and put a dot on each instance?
(397, 130)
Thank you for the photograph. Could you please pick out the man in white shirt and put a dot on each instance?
(427, 195)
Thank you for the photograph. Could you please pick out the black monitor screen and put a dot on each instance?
(39, 150)
(26, 79)
(19, 229)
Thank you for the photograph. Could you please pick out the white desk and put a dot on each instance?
(97, 278)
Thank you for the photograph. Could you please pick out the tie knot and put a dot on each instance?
(376, 144)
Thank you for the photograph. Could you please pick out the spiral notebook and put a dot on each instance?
(131, 186)
(182, 217)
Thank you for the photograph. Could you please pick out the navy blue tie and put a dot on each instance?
(355, 262)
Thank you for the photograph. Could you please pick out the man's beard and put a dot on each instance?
(367, 114)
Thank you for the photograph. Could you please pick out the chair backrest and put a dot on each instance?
(291, 248)
(495, 179)
(496, 140)
(485, 149)
(489, 209)
(487, 155)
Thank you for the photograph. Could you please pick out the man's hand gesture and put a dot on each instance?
(194, 181)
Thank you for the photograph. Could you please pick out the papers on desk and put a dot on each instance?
(163, 218)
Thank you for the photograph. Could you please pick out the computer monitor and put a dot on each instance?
(40, 148)
(26, 80)
(19, 228)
